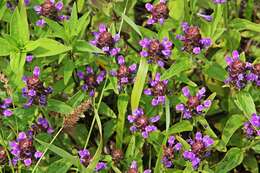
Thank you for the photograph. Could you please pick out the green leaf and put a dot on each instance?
(243, 24)
(17, 61)
(175, 69)
(80, 5)
(76, 99)
(59, 106)
(232, 159)
(131, 148)
(59, 31)
(5, 48)
(250, 163)
(132, 24)
(245, 103)
(167, 113)
(215, 71)
(122, 108)
(232, 124)
(62, 153)
(206, 126)
(49, 47)
(184, 143)
(176, 9)
(83, 46)
(218, 16)
(179, 127)
(68, 70)
(19, 26)
(59, 166)
(139, 83)
(106, 110)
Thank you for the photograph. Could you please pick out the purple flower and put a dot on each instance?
(91, 79)
(125, 75)
(240, 73)
(49, 9)
(35, 92)
(142, 123)
(169, 150)
(85, 158)
(219, 1)
(5, 106)
(156, 51)
(195, 105)
(105, 41)
(22, 149)
(134, 168)
(158, 89)
(199, 149)
(158, 13)
(29, 58)
(251, 128)
(192, 40)
(42, 125)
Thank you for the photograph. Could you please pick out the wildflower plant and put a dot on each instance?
(147, 86)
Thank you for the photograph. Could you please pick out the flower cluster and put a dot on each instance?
(35, 92)
(192, 40)
(134, 168)
(159, 12)
(85, 159)
(125, 75)
(206, 14)
(195, 105)
(158, 89)
(42, 125)
(240, 73)
(105, 41)
(23, 150)
(51, 10)
(199, 149)
(168, 151)
(5, 107)
(3, 156)
(251, 128)
(156, 51)
(142, 122)
(219, 1)
(12, 4)
(91, 80)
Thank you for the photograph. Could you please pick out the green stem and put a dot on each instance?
(122, 21)
(46, 149)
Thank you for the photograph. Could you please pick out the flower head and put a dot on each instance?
(159, 12)
(239, 71)
(51, 10)
(156, 51)
(3, 156)
(134, 168)
(105, 41)
(195, 105)
(85, 159)
(192, 40)
(22, 149)
(199, 149)
(252, 127)
(42, 125)
(91, 79)
(169, 150)
(142, 123)
(125, 75)
(219, 1)
(35, 92)
(158, 89)
(5, 107)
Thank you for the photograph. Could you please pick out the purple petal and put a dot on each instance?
(149, 6)
(155, 119)
(59, 6)
(186, 92)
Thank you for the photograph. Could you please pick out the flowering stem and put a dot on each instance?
(93, 121)
(46, 149)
